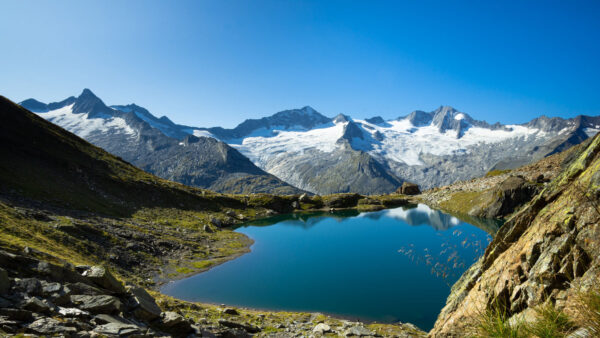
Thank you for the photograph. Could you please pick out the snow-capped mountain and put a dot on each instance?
(159, 146)
(429, 148)
(325, 155)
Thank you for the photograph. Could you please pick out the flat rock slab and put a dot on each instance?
(97, 304)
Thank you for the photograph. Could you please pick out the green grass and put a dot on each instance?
(494, 323)
(550, 323)
(587, 309)
(202, 264)
(183, 270)
(493, 173)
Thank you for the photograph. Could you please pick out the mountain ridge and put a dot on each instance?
(126, 134)
(429, 148)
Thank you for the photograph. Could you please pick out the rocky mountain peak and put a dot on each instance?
(419, 118)
(376, 120)
(91, 104)
(447, 118)
(341, 118)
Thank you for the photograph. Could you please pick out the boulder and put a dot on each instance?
(105, 319)
(358, 331)
(322, 328)
(304, 198)
(50, 326)
(97, 304)
(35, 304)
(100, 276)
(31, 286)
(4, 281)
(174, 323)
(409, 188)
(117, 329)
(507, 197)
(341, 200)
(144, 304)
(230, 311)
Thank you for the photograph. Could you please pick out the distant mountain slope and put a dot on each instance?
(159, 146)
(321, 154)
(429, 148)
(44, 162)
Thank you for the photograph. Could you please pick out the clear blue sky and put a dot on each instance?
(207, 63)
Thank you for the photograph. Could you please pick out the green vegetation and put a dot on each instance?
(497, 172)
(462, 202)
(587, 309)
(549, 323)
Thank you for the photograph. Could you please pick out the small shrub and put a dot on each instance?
(587, 310)
(494, 323)
(550, 323)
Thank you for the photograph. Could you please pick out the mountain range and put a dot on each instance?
(302, 150)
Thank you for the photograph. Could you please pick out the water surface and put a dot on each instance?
(386, 266)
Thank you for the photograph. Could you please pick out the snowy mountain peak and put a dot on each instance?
(341, 118)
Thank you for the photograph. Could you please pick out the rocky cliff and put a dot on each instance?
(546, 253)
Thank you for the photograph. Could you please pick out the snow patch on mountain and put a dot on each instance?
(266, 143)
(199, 133)
(83, 126)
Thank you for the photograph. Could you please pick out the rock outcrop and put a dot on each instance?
(408, 188)
(546, 252)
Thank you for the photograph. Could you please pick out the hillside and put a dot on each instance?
(542, 267)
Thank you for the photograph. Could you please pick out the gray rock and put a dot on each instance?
(72, 312)
(100, 276)
(117, 329)
(31, 286)
(581, 333)
(295, 205)
(97, 304)
(359, 331)
(175, 323)
(230, 311)
(49, 288)
(408, 188)
(35, 304)
(322, 328)
(234, 325)
(145, 305)
(304, 198)
(83, 289)
(4, 281)
(50, 326)
(105, 319)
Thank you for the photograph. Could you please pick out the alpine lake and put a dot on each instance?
(394, 265)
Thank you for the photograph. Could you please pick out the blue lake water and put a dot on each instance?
(385, 266)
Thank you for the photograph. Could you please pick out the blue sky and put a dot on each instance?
(208, 63)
